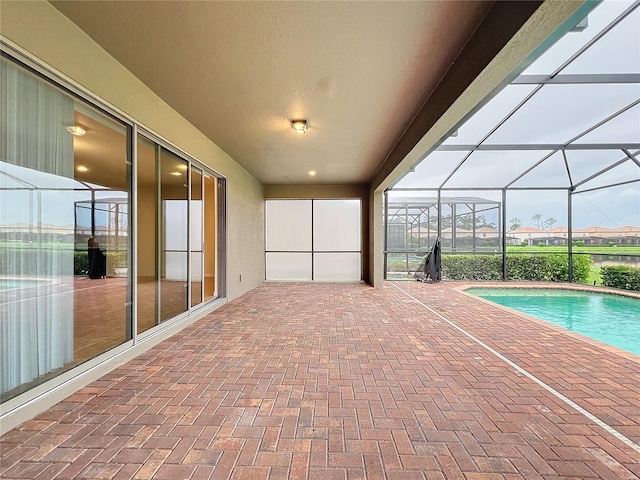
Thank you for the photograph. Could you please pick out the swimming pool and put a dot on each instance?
(611, 319)
(17, 283)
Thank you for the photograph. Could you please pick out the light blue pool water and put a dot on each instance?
(611, 319)
(12, 284)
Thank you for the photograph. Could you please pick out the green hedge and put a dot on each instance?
(527, 267)
(30, 261)
(81, 263)
(621, 276)
(472, 267)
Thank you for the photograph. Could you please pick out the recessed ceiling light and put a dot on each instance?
(76, 130)
(176, 174)
(82, 168)
(312, 173)
(300, 126)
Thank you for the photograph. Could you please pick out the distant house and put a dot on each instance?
(626, 235)
(594, 235)
(530, 235)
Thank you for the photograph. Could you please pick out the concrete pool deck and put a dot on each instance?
(344, 381)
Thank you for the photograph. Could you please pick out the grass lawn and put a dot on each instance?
(594, 276)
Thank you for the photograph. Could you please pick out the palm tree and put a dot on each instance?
(550, 221)
(516, 223)
(537, 218)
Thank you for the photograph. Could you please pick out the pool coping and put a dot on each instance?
(461, 287)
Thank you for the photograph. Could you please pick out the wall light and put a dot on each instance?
(300, 126)
(82, 168)
(175, 174)
(312, 173)
(76, 130)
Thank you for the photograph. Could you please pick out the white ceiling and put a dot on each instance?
(359, 71)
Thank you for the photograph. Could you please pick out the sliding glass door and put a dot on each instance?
(65, 191)
(196, 239)
(70, 178)
(147, 218)
(177, 235)
(210, 215)
(173, 235)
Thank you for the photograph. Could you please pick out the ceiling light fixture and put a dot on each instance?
(312, 173)
(76, 130)
(82, 168)
(300, 126)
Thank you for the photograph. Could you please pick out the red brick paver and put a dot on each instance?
(301, 381)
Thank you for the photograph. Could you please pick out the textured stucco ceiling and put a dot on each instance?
(239, 71)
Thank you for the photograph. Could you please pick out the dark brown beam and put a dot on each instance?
(502, 22)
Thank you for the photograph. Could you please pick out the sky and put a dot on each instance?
(556, 114)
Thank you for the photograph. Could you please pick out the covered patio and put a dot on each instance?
(344, 381)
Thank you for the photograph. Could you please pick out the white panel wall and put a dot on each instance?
(336, 225)
(288, 225)
(337, 267)
(175, 224)
(289, 266)
(309, 240)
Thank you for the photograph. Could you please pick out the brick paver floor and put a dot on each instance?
(344, 381)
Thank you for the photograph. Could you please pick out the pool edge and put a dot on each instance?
(461, 287)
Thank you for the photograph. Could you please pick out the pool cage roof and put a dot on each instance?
(569, 121)
(415, 209)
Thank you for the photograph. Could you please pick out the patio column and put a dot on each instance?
(386, 233)
(376, 240)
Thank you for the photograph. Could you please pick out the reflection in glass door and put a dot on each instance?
(210, 232)
(177, 217)
(147, 219)
(173, 235)
(195, 219)
(64, 224)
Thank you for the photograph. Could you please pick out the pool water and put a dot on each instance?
(611, 319)
(13, 284)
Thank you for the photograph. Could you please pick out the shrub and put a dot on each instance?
(541, 244)
(31, 261)
(81, 263)
(396, 265)
(523, 267)
(581, 268)
(524, 243)
(621, 276)
(117, 259)
(579, 243)
(472, 267)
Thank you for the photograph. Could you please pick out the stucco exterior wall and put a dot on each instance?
(42, 32)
